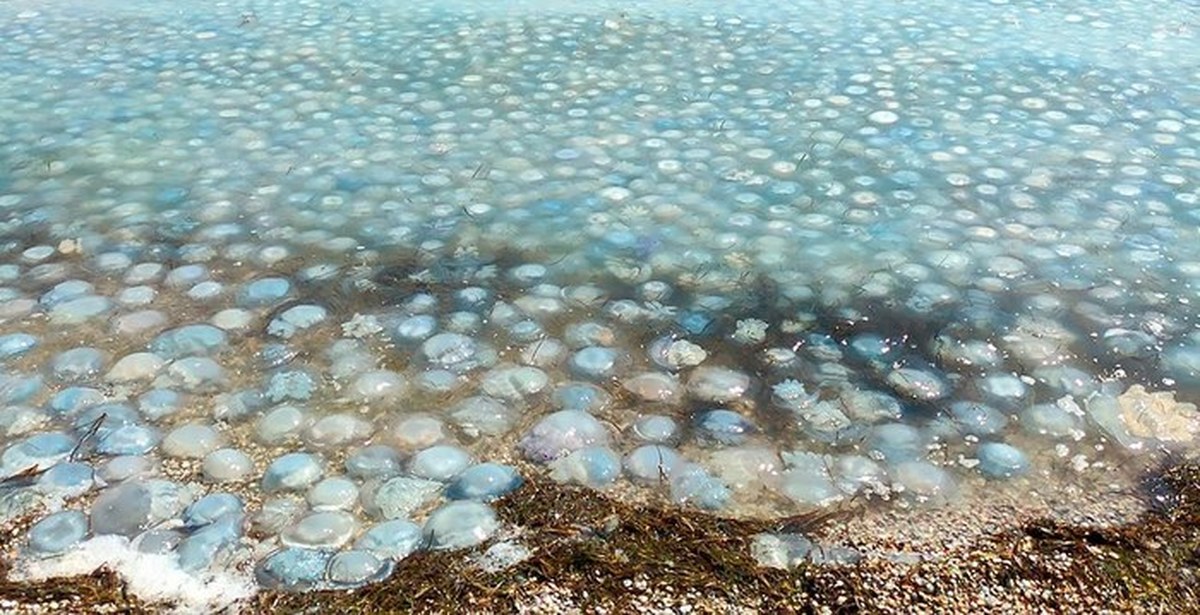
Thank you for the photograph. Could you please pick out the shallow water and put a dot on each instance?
(751, 257)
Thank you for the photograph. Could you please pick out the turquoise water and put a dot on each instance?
(751, 257)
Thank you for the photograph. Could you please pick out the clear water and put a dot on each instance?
(868, 216)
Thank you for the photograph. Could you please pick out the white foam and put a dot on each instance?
(153, 578)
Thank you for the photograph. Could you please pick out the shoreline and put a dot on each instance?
(591, 553)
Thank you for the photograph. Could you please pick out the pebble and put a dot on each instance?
(13, 345)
